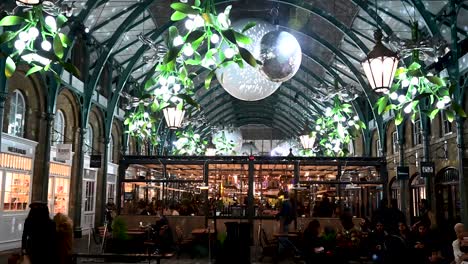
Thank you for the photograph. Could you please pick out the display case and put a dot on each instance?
(17, 189)
(59, 188)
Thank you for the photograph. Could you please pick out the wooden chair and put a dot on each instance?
(269, 247)
(182, 243)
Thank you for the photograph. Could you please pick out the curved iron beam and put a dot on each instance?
(428, 18)
(126, 24)
(260, 108)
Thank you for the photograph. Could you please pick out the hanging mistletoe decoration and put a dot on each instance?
(34, 37)
(416, 92)
(337, 128)
(189, 143)
(200, 46)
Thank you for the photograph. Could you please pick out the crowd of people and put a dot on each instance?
(47, 240)
(386, 238)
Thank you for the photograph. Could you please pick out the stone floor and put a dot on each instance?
(81, 246)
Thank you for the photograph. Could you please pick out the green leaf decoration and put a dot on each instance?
(361, 124)
(458, 109)
(65, 40)
(10, 67)
(58, 47)
(172, 54)
(197, 3)
(248, 57)
(248, 26)
(173, 33)
(11, 21)
(192, 62)
(382, 103)
(436, 80)
(400, 71)
(194, 35)
(229, 35)
(208, 79)
(155, 106)
(71, 68)
(7, 36)
(150, 83)
(189, 100)
(183, 8)
(177, 16)
(414, 66)
(61, 20)
(452, 88)
(398, 118)
(34, 69)
(421, 96)
(432, 114)
(241, 38)
(450, 115)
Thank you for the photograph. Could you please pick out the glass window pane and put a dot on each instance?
(17, 187)
(17, 114)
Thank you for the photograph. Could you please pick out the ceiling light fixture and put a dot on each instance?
(380, 65)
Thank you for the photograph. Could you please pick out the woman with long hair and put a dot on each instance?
(64, 229)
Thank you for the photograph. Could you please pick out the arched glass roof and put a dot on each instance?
(335, 35)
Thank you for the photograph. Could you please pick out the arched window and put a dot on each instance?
(89, 140)
(59, 128)
(111, 149)
(17, 114)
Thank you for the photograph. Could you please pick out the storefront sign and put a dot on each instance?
(95, 161)
(402, 173)
(64, 152)
(427, 169)
(17, 150)
(128, 196)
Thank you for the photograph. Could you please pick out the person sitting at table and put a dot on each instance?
(314, 247)
(162, 236)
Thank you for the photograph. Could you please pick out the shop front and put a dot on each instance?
(59, 183)
(88, 210)
(16, 170)
(112, 170)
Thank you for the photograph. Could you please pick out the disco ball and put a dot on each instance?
(281, 55)
(247, 83)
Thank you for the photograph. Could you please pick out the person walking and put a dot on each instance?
(39, 235)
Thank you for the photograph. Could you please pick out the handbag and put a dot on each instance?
(24, 259)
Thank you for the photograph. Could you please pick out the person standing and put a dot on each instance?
(64, 229)
(461, 257)
(286, 214)
(39, 235)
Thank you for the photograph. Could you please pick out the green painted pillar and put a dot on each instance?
(250, 194)
(296, 184)
(206, 170)
(77, 230)
(52, 92)
(3, 95)
(103, 192)
(49, 118)
(404, 183)
(454, 73)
